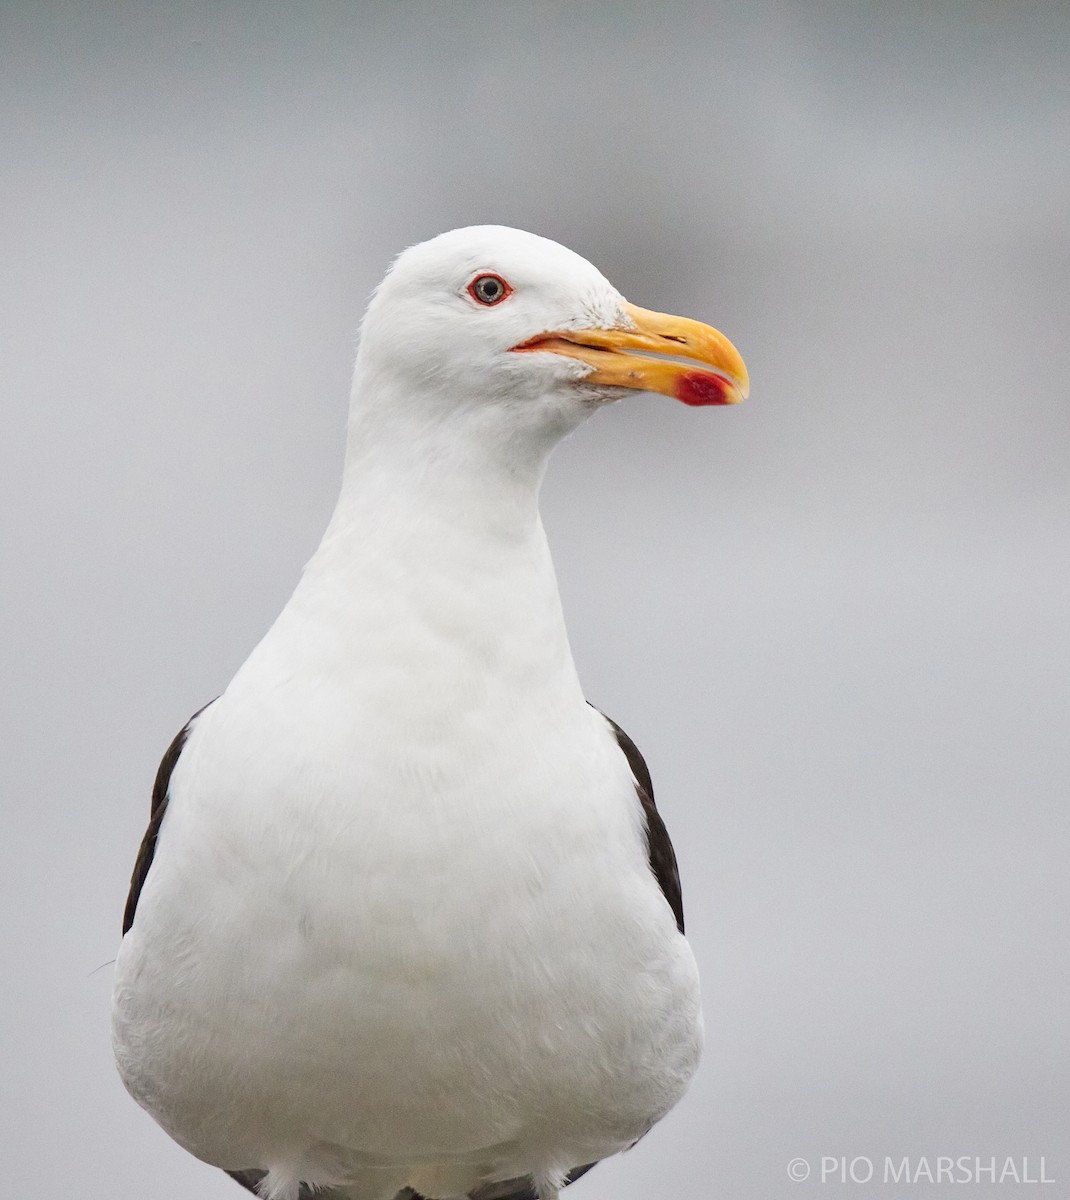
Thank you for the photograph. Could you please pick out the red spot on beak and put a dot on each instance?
(699, 388)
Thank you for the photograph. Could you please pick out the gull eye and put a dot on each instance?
(489, 289)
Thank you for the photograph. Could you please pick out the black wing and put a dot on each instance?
(662, 856)
(159, 807)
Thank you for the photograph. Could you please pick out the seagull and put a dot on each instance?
(406, 923)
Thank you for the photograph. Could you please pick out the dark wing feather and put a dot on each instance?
(662, 856)
(249, 1180)
(159, 807)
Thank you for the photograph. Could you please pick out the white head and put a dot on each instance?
(493, 331)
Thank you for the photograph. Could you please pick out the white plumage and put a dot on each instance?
(398, 927)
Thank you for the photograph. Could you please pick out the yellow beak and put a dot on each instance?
(609, 351)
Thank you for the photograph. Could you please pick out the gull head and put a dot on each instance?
(518, 334)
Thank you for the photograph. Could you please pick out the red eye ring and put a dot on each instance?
(489, 289)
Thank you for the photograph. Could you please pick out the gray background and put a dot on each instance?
(835, 619)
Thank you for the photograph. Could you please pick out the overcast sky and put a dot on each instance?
(835, 619)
